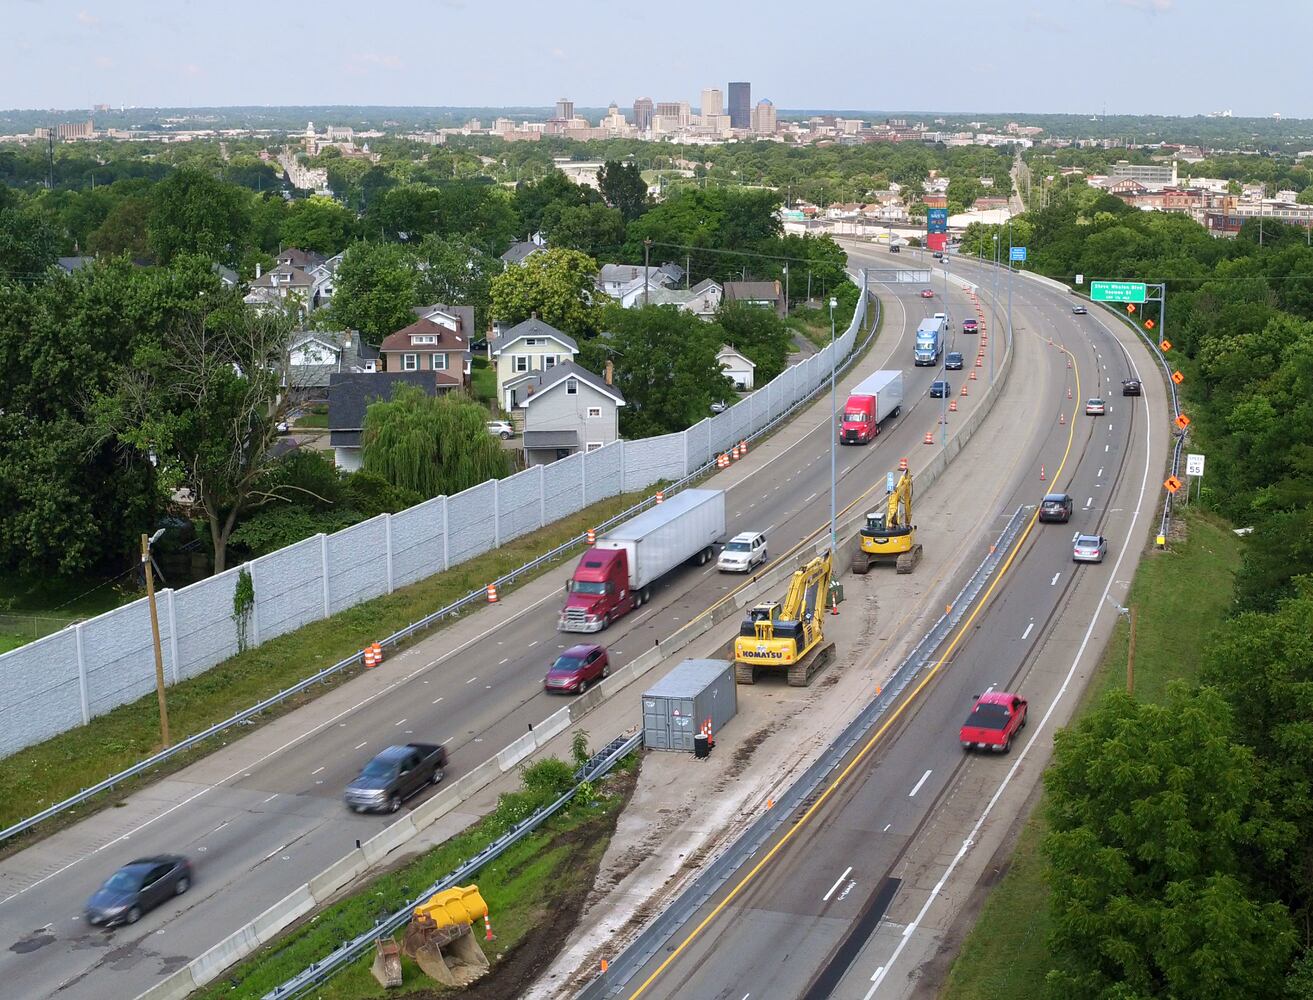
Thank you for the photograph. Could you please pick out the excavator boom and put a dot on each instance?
(789, 635)
(889, 533)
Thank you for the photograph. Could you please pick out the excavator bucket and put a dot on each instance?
(387, 963)
(439, 938)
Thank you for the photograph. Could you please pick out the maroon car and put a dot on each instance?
(576, 668)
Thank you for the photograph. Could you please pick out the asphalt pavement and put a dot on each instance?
(836, 903)
(263, 815)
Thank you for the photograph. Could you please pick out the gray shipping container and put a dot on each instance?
(677, 706)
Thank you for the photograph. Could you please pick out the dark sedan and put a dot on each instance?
(137, 887)
(953, 361)
(940, 389)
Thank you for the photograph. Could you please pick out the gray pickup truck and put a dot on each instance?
(395, 775)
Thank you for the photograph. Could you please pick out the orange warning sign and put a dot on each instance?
(1130, 307)
(1148, 324)
(1164, 345)
(1182, 421)
(1172, 484)
(1178, 378)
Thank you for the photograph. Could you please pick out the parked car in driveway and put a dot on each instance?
(1055, 507)
(996, 717)
(394, 775)
(939, 389)
(137, 887)
(1089, 548)
(1095, 407)
(576, 668)
(953, 361)
(500, 428)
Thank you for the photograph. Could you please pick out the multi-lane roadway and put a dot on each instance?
(265, 815)
(836, 903)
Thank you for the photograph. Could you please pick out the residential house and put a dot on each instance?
(738, 367)
(524, 354)
(626, 282)
(349, 396)
(768, 294)
(325, 278)
(458, 319)
(702, 300)
(284, 286)
(227, 276)
(426, 346)
(305, 260)
(70, 264)
(572, 410)
(314, 355)
(521, 251)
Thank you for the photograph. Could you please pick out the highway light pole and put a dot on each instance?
(834, 426)
(991, 353)
(146, 543)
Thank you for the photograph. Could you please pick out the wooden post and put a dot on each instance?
(155, 636)
(1130, 657)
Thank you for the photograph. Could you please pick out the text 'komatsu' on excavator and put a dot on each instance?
(790, 635)
(889, 535)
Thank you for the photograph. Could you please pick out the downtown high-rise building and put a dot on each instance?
(740, 105)
(564, 109)
(643, 114)
(712, 102)
(763, 118)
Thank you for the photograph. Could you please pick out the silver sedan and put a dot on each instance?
(1089, 548)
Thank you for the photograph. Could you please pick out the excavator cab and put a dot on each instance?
(889, 535)
(787, 634)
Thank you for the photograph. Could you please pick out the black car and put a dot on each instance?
(953, 361)
(1131, 387)
(1055, 507)
(138, 886)
(893, 248)
(939, 389)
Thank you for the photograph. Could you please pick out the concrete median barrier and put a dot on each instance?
(382, 844)
(341, 872)
(236, 946)
(517, 751)
(282, 914)
(175, 987)
(553, 725)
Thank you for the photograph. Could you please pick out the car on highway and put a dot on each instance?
(742, 552)
(940, 389)
(1056, 507)
(137, 887)
(953, 361)
(938, 255)
(1078, 310)
(894, 248)
(995, 719)
(1088, 548)
(500, 428)
(1131, 387)
(394, 775)
(927, 293)
(970, 326)
(1095, 407)
(576, 668)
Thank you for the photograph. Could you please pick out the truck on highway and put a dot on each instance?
(929, 342)
(875, 398)
(394, 775)
(616, 574)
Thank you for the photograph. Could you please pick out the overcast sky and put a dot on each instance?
(1125, 56)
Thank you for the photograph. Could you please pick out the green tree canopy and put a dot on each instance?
(453, 270)
(594, 230)
(623, 188)
(558, 284)
(318, 223)
(760, 334)
(192, 212)
(431, 445)
(377, 285)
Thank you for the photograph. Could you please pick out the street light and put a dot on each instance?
(146, 543)
(834, 426)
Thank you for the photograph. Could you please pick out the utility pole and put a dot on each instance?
(155, 633)
(786, 289)
(1130, 656)
(647, 249)
(834, 427)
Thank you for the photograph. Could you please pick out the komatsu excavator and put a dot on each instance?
(889, 535)
(788, 636)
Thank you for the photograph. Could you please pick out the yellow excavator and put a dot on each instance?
(790, 635)
(889, 535)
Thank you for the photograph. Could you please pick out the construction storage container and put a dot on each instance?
(677, 707)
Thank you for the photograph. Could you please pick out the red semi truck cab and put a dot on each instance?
(877, 397)
(859, 425)
(598, 593)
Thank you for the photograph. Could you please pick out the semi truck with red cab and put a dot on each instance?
(616, 574)
(874, 399)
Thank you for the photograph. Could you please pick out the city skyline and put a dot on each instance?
(1022, 59)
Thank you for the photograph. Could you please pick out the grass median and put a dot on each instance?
(535, 892)
(1179, 596)
(50, 772)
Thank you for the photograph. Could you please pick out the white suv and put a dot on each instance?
(742, 552)
(501, 429)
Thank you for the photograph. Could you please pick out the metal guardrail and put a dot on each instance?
(457, 607)
(598, 765)
(801, 792)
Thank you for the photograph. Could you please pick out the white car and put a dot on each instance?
(501, 429)
(742, 552)
(1089, 548)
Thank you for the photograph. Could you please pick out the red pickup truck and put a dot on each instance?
(995, 718)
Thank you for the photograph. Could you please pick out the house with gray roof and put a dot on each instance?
(571, 410)
(521, 251)
(702, 300)
(314, 355)
(523, 354)
(349, 396)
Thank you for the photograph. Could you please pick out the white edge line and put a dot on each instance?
(837, 882)
(917, 787)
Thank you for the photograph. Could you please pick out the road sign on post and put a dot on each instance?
(1019, 253)
(1172, 484)
(1194, 465)
(1117, 291)
(1080, 279)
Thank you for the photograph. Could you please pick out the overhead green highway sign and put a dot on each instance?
(1117, 291)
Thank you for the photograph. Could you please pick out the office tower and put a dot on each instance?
(643, 114)
(763, 118)
(740, 105)
(565, 109)
(712, 102)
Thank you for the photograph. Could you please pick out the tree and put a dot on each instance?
(665, 365)
(1156, 819)
(206, 402)
(432, 445)
(377, 286)
(758, 333)
(124, 230)
(453, 270)
(192, 212)
(29, 243)
(318, 223)
(558, 284)
(623, 188)
(594, 230)
(532, 199)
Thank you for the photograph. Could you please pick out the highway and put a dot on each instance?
(264, 815)
(806, 915)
